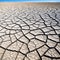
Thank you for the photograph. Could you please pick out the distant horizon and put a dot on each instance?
(29, 0)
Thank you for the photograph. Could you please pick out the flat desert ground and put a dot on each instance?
(29, 31)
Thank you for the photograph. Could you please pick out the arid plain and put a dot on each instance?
(29, 31)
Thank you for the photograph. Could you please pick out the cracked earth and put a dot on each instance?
(29, 33)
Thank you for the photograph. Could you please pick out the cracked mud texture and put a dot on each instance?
(29, 33)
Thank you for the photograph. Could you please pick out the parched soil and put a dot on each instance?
(29, 31)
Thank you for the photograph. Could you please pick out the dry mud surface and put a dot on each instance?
(29, 32)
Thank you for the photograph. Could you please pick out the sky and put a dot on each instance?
(29, 0)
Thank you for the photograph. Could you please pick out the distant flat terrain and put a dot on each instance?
(30, 4)
(29, 31)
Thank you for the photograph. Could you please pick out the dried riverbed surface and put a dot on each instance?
(30, 32)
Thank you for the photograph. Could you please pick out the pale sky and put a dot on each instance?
(29, 0)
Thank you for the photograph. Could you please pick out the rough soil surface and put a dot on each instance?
(30, 32)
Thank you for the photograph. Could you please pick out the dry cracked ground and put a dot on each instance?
(29, 33)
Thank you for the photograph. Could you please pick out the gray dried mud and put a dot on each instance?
(29, 31)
